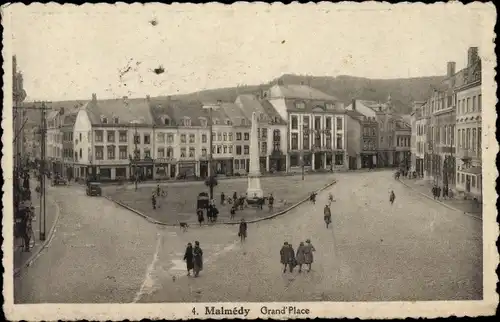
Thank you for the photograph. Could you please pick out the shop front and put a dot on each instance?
(339, 159)
(203, 167)
(163, 168)
(223, 166)
(141, 169)
(187, 169)
(277, 161)
(368, 160)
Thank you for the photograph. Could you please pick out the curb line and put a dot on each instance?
(48, 238)
(282, 212)
(440, 202)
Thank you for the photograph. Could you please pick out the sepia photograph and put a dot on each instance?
(249, 161)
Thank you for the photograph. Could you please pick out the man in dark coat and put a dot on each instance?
(197, 259)
(243, 230)
(222, 198)
(188, 258)
(271, 202)
(286, 256)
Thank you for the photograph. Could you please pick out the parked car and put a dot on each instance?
(94, 189)
(57, 181)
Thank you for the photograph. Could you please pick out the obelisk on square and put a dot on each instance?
(254, 190)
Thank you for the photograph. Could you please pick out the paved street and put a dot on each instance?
(413, 250)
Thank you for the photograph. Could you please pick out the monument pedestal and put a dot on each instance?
(254, 190)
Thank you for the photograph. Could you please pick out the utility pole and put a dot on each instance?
(43, 135)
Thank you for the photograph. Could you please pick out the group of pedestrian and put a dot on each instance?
(445, 192)
(304, 256)
(193, 257)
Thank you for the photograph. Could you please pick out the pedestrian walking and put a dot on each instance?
(308, 254)
(392, 197)
(242, 233)
(438, 193)
(197, 259)
(285, 256)
(271, 202)
(153, 200)
(222, 198)
(158, 190)
(300, 257)
(232, 212)
(327, 215)
(201, 218)
(188, 258)
(434, 191)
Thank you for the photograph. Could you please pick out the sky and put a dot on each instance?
(69, 52)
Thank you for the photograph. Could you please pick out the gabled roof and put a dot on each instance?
(127, 111)
(299, 92)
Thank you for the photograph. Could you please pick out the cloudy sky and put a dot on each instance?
(72, 52)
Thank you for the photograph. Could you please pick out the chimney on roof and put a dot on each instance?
(472, 56)
(450, 69)
(353, 104)
(94, 97)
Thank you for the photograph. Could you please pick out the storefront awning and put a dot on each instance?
(473, 170)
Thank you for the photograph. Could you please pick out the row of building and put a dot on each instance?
(446, 130)
(159, 138)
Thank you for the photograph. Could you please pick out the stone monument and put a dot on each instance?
(254, 190)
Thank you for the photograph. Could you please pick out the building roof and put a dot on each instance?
(299, 92)
(249, 103)
(193, 110)
(127, 111)
(355, 114)
(161, 108)
(235, 113)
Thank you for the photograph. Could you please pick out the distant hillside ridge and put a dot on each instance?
(403, 90)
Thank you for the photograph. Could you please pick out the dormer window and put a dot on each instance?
(216, 121)
(228, 122)
(243, 121)
(203, 122)
(166, 121)
(186, 121)
(329, 106)
(300, 105)
(104, 120)
(116, 120)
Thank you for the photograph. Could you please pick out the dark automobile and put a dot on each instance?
(94, 189)
(203, 201)
(58, 180)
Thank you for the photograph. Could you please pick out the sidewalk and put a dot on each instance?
(424, 187)
(24, 258)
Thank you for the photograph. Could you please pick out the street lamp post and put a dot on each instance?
(211, 181)
(136, 156)
(302, 162)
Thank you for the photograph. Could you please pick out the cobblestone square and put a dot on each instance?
(180, 203)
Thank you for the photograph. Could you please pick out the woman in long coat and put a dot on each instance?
(308, 254)
(198, 258)
(300, 258)
(188, 257)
